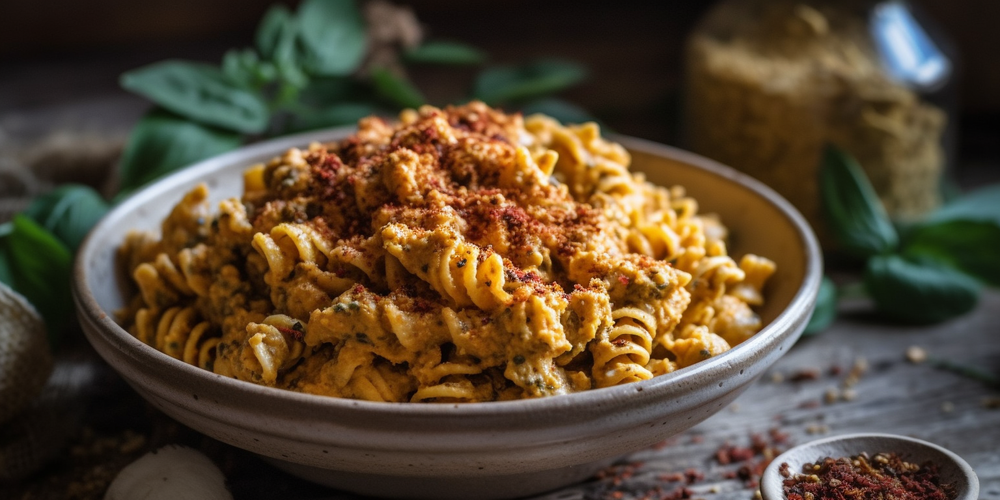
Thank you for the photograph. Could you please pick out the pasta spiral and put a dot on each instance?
(457, 270)
(178, 333)
(621, 355)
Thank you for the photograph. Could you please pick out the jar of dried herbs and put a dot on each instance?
(769, 82)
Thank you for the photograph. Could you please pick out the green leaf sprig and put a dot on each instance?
(36, 250)
(929, 271)
(855, 214)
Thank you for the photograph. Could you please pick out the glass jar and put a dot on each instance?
(769, 82)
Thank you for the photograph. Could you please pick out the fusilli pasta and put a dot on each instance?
(459, 255)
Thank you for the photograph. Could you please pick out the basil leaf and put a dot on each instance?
(40, 269)
(6, 273)
(919, 291)
(293, 80)
(200, 92)
(564, 111)
(68, 212)
(287, 58)
(396, 90)
(444, 53)
(504, 84)
(245, 69)
(855, 215)
(271, 30)
(162, 142)
(968, 245)
(826, 308)
(330, 91)
(333, 34)
(333, 116)
(981, 205)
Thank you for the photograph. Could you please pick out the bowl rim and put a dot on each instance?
(770, 478)
(650, 390)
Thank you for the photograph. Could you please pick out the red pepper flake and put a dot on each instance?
(295, 334)
(693, 476)
(777, 436)
(421, 306)
(804, 375)
(673, 477)
(885, 476)
(753, 459)
(728, 454)
(682, 493)
(624, 280)
(744, 473)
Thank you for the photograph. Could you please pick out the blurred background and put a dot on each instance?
(60, 60)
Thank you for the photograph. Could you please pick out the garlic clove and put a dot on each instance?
(170, 473)
(25, 360)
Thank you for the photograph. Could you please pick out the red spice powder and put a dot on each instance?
(885, 476)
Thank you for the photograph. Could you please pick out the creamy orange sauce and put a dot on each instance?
(457, 255)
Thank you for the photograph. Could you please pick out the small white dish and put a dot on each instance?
(951, 467)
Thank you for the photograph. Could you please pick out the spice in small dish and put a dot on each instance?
(885, 476)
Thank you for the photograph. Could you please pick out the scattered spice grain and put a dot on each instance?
(831, 396)
(805, 374)
(916, 354)
(849, 394)
(817, 429)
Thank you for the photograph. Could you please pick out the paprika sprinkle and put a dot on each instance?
(885, 476)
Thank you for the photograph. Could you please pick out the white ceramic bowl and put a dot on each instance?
(479, 450)
(951, 468)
